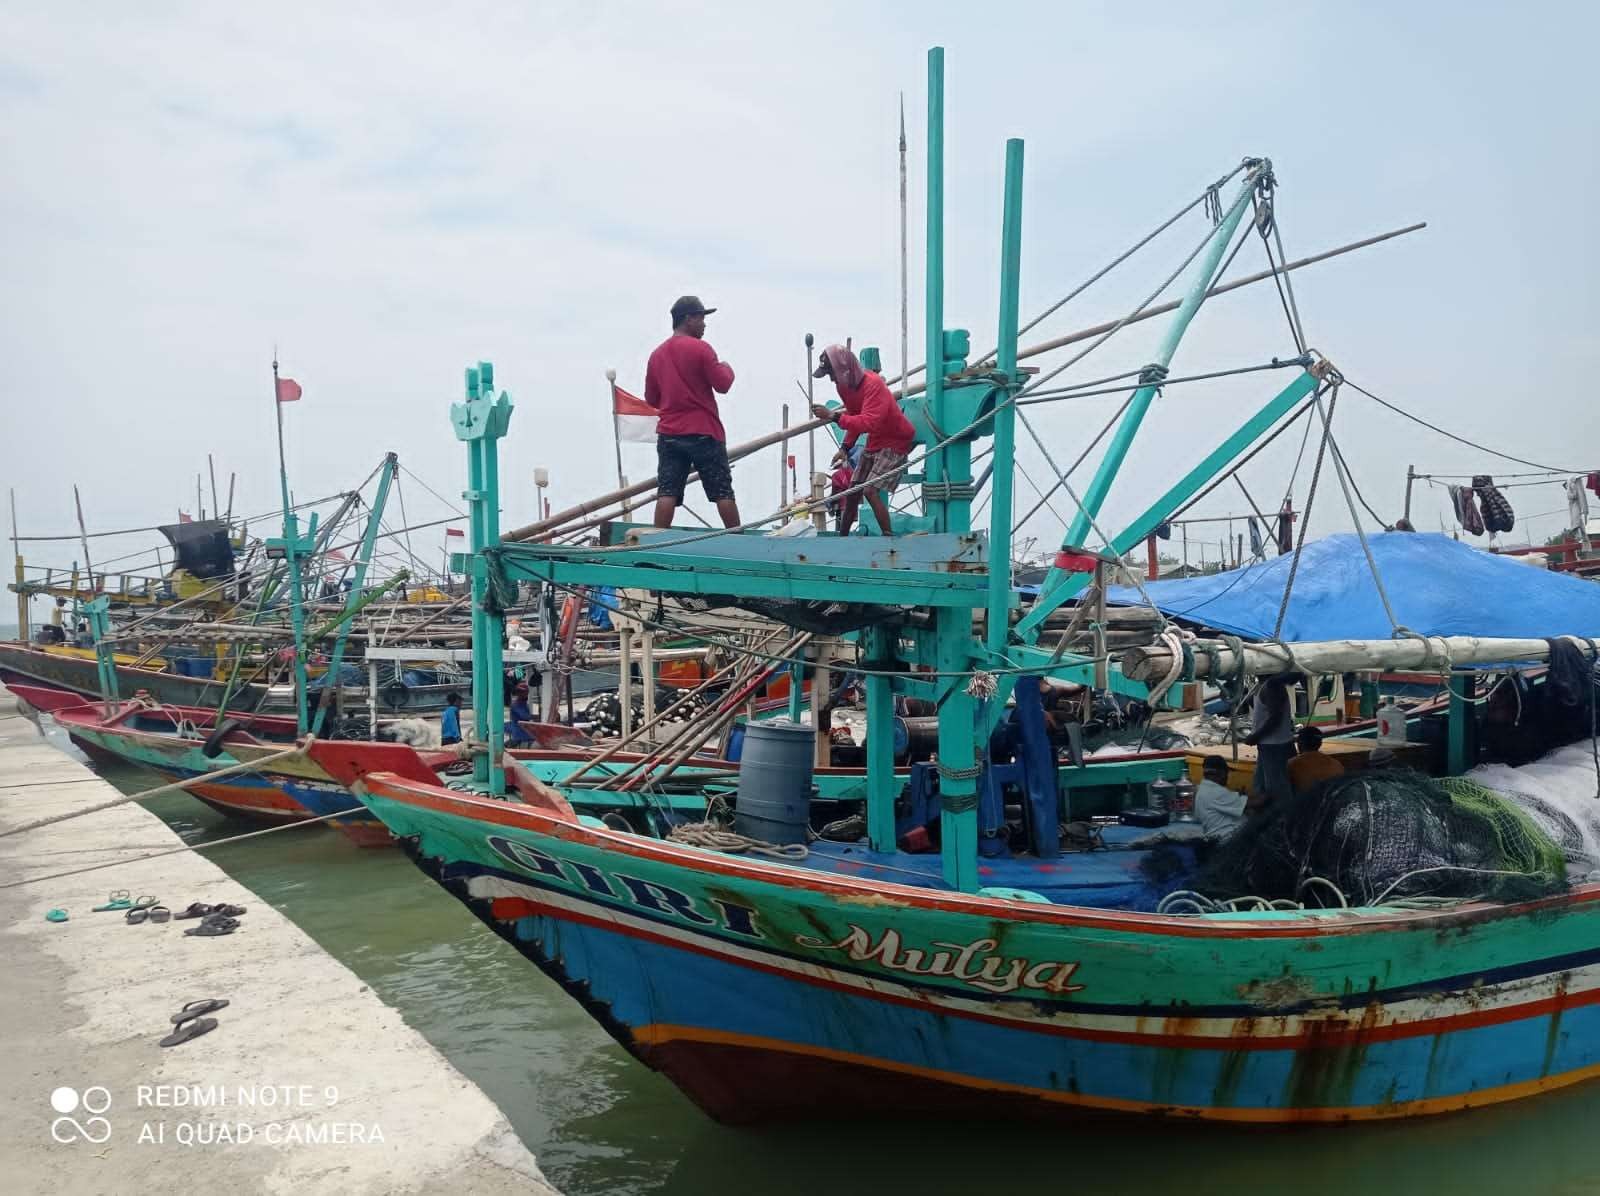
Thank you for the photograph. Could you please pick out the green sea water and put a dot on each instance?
(600, 1122)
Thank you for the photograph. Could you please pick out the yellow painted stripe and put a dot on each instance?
(661, 1033)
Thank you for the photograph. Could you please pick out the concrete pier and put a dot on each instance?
(309, 1083)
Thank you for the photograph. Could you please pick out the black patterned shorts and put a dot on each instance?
(677, 455)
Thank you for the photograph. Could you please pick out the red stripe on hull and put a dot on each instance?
(367, 832)
(240, 801)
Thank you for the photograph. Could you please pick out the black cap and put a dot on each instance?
(689, 305)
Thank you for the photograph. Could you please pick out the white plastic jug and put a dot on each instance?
(1391, 725)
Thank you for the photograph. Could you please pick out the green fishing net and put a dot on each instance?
(1387, 836)
(1524, 846)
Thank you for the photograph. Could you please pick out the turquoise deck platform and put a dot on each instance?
(932, 569)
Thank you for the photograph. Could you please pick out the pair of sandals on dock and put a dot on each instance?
(190, 1022)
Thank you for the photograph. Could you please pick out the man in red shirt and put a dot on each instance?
(869, 408)
(679, 381)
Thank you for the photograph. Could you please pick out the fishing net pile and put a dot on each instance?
(1560, 793)
(1388, 836)
(822, 618)
(604, 712)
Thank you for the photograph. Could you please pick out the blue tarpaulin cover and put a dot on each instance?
(1437, 585)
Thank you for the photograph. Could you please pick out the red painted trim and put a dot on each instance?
(1076, 562)
(460, 805)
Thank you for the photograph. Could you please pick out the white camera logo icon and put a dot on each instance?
(66, 1101)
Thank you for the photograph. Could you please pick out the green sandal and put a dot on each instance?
(116, 899)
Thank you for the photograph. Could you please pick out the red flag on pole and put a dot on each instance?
(185, 518)
(454, 531)
(288, 390)
(636, 419)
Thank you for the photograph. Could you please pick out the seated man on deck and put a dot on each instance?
(1311, 765)
(520, 713)
(871, 408)
(1219, 809)
(450, 720)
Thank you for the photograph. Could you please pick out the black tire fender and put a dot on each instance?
(213, 744)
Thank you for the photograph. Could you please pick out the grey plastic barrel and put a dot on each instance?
(774, 802)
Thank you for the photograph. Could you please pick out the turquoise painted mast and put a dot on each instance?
(369, 542)
(481, 421)
(292, 547)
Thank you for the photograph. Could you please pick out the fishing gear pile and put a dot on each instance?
(1388, 836)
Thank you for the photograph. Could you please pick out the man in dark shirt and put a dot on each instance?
(1272, 735)
(679, 382)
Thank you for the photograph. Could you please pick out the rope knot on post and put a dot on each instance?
(982, 685)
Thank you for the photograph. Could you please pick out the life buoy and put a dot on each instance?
(213, 744)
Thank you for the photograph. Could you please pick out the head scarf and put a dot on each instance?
(847, 371)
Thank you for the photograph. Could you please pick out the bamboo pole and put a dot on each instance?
(1341, 656)
(83, 538)
(636, 734)
(22, 576)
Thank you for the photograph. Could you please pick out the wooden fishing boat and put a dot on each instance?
(764, 989)
(76, 671)
(180, 743)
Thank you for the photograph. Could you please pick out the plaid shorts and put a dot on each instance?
(677, 455)
(882, 467)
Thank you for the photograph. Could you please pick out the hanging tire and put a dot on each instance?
(396, 694)
(213, 744)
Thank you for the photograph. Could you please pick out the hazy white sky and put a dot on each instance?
(389, 192)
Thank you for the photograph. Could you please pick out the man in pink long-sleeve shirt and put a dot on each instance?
(870, 409)
(679, 382)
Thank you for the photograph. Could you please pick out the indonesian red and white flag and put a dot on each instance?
(288, 390)
(454, 531)
(636, 419)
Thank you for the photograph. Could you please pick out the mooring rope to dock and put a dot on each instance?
(210, 843)
(230, 770)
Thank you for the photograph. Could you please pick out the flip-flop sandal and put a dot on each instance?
(190, 1029)
(218, 916)
(211, 930)
(117, 899)
(137, 914)
(56, 915)
(160, 913)
(227, 911)
(196, 909)
(195, 1008)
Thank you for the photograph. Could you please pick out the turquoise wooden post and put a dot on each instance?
(1094, 495)
(797, 705)
(369, 541)
(1462, 749)
(949, 467)
(1005, 420)
(481, 421)
(98, 614)
(882, 787)
(933, 289)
